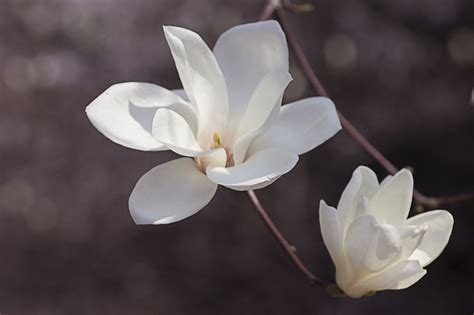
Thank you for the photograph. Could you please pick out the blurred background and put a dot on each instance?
(400, 70)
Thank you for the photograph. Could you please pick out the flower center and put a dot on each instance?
(203, 162)
(216, 141)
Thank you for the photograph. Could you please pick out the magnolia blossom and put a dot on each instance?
(372, 243)
(228, 121)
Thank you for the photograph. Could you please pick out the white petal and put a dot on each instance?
(260, 170)
(363, 183)
(412, 236)
(217, 157)
(391, 204)
(386, 180)
(370, 246)
(400, 276)
(174, 132)
(170, 192)
(246, 53)
(268, 92)
(241, 146)
(124, 113)
(202, 79)
(413, 277)
(301, 126)
(439, 225)
(332, 235)
(181, 93)
(261, 113)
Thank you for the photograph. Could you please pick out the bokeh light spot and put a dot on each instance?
(461, 47)
(340, 52)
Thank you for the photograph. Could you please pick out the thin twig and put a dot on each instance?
(319, 88)
(267, 13)
(269, 9)
(276, 6)
(422, 201)
(289, 249)
(436, 202)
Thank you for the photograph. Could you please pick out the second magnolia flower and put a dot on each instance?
(228, 121)
(372, 242)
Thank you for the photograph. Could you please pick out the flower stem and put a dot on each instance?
(289, 249)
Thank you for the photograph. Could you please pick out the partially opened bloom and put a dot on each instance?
(228, 121)
(372, 243)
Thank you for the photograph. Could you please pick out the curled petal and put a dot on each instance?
(332, 236)
(201, 77)
(392, 201)
(264, 101)
(363, 183)
(301, 126)
(170, 192)
(174, 132)
(439, 225)
(370, 246)
(261, 113)
(124, 113)
(399, 276)
(411, 236)
(246, 54)
(260, 170)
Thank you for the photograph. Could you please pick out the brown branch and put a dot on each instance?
(319, 88)
(289, 249)
(436, 202)
(267, 13)
(422, 201)
(270, 8)
(278, 6)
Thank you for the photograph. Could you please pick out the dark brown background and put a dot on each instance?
(401, 70)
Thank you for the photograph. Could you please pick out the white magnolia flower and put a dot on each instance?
(228, 120)
(372, 243)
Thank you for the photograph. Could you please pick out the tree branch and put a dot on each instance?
(267, 13)
(422, 201)
(270, 8)
(289, 249)
(278, 6)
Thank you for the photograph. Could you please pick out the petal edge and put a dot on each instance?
(170, 192)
